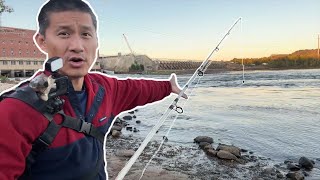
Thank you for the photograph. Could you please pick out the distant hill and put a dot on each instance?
(307, 58)
(310, 53)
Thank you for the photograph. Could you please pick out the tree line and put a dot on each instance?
(298, 59)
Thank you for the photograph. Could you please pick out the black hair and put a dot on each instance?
(53, 6)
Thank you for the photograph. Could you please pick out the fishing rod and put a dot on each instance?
(173, 106)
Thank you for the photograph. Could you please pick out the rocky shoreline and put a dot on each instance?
(203, 160)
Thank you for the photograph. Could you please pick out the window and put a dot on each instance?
(3, 52)
(97, 63)
(27, 51)
(5, 62)
(20, 52)
(20, 62)
(34, 51)
(19, 42)
(27, 43)
(41, 62)
(12, 53)
(13, 62)
(35, 62)
(28, 63)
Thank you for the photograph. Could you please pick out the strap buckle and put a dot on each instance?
(85, 127)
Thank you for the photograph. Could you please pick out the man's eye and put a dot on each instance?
(63, 34)
(87, 35)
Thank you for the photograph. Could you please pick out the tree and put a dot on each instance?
(4, 8)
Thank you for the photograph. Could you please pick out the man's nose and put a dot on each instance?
(76, 44)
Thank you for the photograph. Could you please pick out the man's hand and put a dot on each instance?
(175, 86)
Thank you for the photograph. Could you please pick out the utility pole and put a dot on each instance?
(4, 8)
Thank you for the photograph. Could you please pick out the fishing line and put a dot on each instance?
(164, 139)
(242, 52)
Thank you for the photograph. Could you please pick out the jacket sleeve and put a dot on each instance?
(131, 93)
(20, 125)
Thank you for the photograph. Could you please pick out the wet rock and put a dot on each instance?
(226, 155)
(305, 163)
(116, 127)
(268, 171)
(129, 128)
(313, 162)
(305, 173)
(125, 153)
(127, 118)
(131, 112)
(232, 149)
(138, 121)
(288, 161)
(212, 152)
(134, 116)
(203, 139)
(295, 176)
(116, 133)
(293, 167)
(244, 150)
(207, 147)
(280, 175)
(250, 152)
(203, 144)
(135, 130)
(165, 138)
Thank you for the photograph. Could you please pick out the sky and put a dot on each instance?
(191, 29)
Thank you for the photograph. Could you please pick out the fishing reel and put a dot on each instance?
(50, 87)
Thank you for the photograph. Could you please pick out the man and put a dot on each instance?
(68, 29)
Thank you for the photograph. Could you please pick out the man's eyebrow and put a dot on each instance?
(87, 28)
(63, 27)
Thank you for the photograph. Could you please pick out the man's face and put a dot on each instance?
(71, 36)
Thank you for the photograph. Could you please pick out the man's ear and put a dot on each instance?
(41, 41)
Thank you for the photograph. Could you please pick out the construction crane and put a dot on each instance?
(133, 56)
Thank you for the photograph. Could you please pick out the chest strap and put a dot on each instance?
(49, 109)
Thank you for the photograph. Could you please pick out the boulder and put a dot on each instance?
(212, 152)
(293, 167)
(116, 133)
(207, 147)
(306, 163)
(125, 153)
(116, 127)
(203, 139)
(138, 121)
(226, 155)
(295, 176)
(203, 144)
(232, 149)
(127, 118)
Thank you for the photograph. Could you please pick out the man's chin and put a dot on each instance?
(73, 75)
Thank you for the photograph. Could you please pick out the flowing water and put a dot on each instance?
(273, 113)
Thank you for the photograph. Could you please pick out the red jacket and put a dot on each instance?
(72, 153)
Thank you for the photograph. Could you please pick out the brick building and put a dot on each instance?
(19, 56)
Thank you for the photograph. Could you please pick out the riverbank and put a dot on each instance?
(178, 162)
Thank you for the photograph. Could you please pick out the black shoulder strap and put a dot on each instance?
(27, 95)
